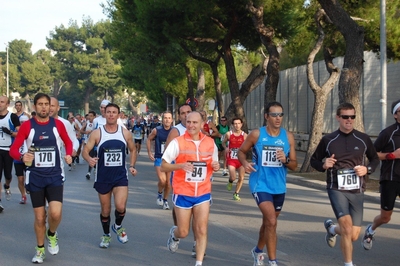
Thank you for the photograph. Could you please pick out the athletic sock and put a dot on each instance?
(257, 250)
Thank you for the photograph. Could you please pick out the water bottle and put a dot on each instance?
(31, 150)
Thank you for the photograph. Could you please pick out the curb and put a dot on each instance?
(317, 184)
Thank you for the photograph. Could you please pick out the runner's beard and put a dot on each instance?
(44, 114)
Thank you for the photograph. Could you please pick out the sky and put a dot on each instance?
(32, 20)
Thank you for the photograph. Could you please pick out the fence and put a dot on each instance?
(298, 99)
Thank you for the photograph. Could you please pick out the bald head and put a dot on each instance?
(54, 107)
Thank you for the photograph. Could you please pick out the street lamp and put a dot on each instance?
(8, 79)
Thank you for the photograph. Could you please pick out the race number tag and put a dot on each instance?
(268, 156)
(112, 157)
(162, 147)
(347, 179)
(234, 153)
(45, 156)
(199, 172)
(137, 134)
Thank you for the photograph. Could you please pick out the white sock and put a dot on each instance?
(348, 263)
(371, 231)
(332, 230)
(199, 263)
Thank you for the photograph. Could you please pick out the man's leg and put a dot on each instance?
(200, 226)
(348, 234)
(267, 234)
(39, 224)
(239, 183)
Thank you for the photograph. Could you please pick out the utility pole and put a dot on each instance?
(8, 79)
(383, 63)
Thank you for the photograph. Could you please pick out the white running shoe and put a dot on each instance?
(160, 201)
(105, 241)
(329, 238)
(172, 244)
(39, 255)
(165, 205)
(121, 234)
(52, 246)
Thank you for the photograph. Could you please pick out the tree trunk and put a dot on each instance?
(320, 93)
(267, 39)
(88, 92)
(217, 86)
(201, 89)
(190, 86)
(350, 79)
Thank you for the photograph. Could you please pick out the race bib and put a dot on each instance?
(112, 157)
(162, 147)
(45, 156)
(347, 179)
(137, 134)
(234, 153)
(198, 174)
(268, 156)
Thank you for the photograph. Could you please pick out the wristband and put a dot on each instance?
(132, 167)
(390, 156)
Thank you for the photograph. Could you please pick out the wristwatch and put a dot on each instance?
(287, 160)
(369, 170)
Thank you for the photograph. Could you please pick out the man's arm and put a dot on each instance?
(132, 151)
(172, 134)
(225, 140)
(249, 142)
(94, 138)
(19, 140)
(215, 133)
(292, 165)
(150, 138)
(64, 136)
(316, 160)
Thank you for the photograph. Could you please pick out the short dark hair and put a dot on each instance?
(344, 106)
(112, 105)
(39, 96)
(237, 118)
(185, 104)
(166, 112)
(18, 102)
(92, 112)
(270, 104)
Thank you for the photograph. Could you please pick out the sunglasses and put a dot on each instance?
(348, 116)
(275, 114)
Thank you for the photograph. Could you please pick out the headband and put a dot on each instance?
(395, 108)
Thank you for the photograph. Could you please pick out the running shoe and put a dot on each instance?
(229, 186)
(105, 241)
(272, 263)
(88, 176)
(236, 197)
(194, 250)
(258, 258)
(52, 246)
(225, 172)
(23, 200)
(329, 238)
(1, 207)
(121, 234)
(69, 167)
(366, 241)
(160, 201)
(172, 244)
(165, 205)
(7, 191)
(39, 255)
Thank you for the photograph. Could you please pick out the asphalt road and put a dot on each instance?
(233, 227)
